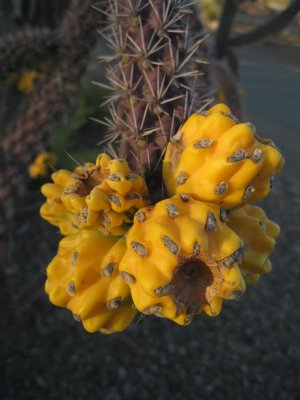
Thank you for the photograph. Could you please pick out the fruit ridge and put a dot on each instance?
(259, 235)
(83, 277)
(104, 195)
(216, 159)
(182, 259)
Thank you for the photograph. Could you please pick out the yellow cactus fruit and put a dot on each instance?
(182, 259)
(103, 195)
(258, 234)
(84, 278)
(216, 159)
(41, 164)
(27, 81)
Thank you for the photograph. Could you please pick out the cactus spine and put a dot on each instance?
(158, 78)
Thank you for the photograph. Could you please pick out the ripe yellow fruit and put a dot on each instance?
(103, 195)
(84, 278)
(182, 259)
(259, 235)
(216, 159)
(40, 166)
(27, 81)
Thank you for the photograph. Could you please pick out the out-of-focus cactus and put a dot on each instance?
(26, 136)
(26, 49)
(28, 132)
(41, 165)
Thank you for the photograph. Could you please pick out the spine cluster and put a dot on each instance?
(158, 76)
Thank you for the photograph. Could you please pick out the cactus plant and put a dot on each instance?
(183, 255)
(156, 80)
(25, 49)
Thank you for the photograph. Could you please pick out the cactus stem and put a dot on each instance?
(155, 79)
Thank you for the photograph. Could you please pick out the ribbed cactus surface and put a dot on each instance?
(155, 80)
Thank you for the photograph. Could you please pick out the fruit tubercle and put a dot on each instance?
(84, 278)
(182, 260)
(103, 195)
(216, 159)
(259, 235)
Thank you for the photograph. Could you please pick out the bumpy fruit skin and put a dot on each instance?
(182, 259)
(259, 235)
(103, 195)
(84, 278)
(216, 159)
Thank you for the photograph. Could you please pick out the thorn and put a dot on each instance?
(72, 158)
(102, 85)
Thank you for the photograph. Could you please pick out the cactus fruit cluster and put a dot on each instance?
(131, 247)
(177, 258)
(104, 195)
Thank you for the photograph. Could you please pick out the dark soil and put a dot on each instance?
(250, 351)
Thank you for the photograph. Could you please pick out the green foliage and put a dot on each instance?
(76, 137)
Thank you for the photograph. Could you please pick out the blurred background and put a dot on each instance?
(48, 59)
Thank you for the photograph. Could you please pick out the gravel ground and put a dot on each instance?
(252, 350)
